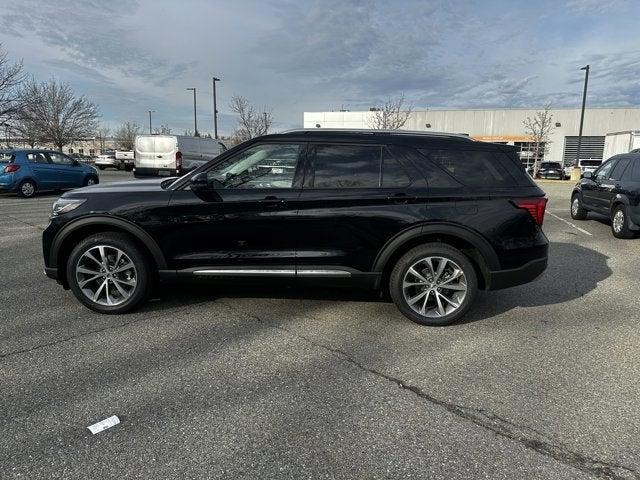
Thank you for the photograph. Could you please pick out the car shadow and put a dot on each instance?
(573, 272)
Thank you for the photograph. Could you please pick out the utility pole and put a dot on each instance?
(195, 116)
(584, 101)
(215, 109)
(149, 112)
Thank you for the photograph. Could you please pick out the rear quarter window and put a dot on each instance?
(6, 157)
(477, 168)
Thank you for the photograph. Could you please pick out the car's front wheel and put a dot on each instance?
(578, 212)
(90, 180)
(433, 284)
(108, 273)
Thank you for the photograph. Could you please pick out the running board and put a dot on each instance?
(243, 272)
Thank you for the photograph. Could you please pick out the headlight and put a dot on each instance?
(65, 205)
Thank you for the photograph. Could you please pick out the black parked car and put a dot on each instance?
(429, 218)
(613, 190)
(551, 170)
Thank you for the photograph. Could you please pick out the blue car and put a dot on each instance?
(28, 171)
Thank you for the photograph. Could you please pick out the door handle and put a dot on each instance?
(272, 200)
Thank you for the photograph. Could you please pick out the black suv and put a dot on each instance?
(429, 218)
(612, 190)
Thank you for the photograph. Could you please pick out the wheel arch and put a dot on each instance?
(75, 231)
(472, 244)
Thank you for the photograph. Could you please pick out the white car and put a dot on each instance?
(107, 159)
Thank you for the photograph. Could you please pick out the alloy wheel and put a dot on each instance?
(91, 181)
(575, 206)
(106, 275)
(27, 189)
(618, 221)
(434, 286)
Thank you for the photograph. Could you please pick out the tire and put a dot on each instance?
(578, 212)
(27, 189)
(434, 314)
(128, 168)
(620, 223)
(134, 281)
(90, 180)
(101, 167)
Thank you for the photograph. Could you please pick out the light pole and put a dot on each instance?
(215, 109)
(584, 101)
(195, 117)
(150, 112)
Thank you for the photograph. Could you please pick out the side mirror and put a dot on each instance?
(587, 175)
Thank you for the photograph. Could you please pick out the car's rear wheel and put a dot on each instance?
(27, 188)
(620, 223)
(108, 273)
(578, 212)
(433, 284)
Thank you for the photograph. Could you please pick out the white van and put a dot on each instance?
(170, 155)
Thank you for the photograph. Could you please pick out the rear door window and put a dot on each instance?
(37, 157)
(345, 166)
(472, 168)
(394, 174)
(619, 169)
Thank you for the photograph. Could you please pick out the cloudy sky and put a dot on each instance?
(294, 56)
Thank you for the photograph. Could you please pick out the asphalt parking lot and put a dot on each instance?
(540, 381)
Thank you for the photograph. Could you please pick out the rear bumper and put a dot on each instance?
(155, 172)
(517, 276)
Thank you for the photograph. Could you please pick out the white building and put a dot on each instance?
(505, 126)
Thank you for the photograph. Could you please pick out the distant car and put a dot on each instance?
(29, 171)
(551, 170)
(108, 159)
(612, 190)
(567, 172)
(125, 157)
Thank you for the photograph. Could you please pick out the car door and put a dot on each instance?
(69, 173)
(355, 198)
(43, 170)
(245, 224)
(608, 183)
(590, 187)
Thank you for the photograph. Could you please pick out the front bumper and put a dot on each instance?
(517, 276)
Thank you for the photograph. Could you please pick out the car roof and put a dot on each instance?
(367, 135)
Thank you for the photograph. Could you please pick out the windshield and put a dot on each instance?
(550, 165)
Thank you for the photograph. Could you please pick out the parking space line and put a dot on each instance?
(570, 224)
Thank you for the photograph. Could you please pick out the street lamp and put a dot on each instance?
(584, 101)
(215, 109)
(150, 112)
(195, 117)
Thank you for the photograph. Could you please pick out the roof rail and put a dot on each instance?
(372, 131)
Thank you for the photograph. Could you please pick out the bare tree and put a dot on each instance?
(26, 129)
(162, 129)
(58, 115)
(102, 135)
(125, 135)
(539, 128)
(391, 115)
(251, 123)
(11, 77)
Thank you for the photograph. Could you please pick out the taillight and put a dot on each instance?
(178, 161)
(11, 168)
(535, 206)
